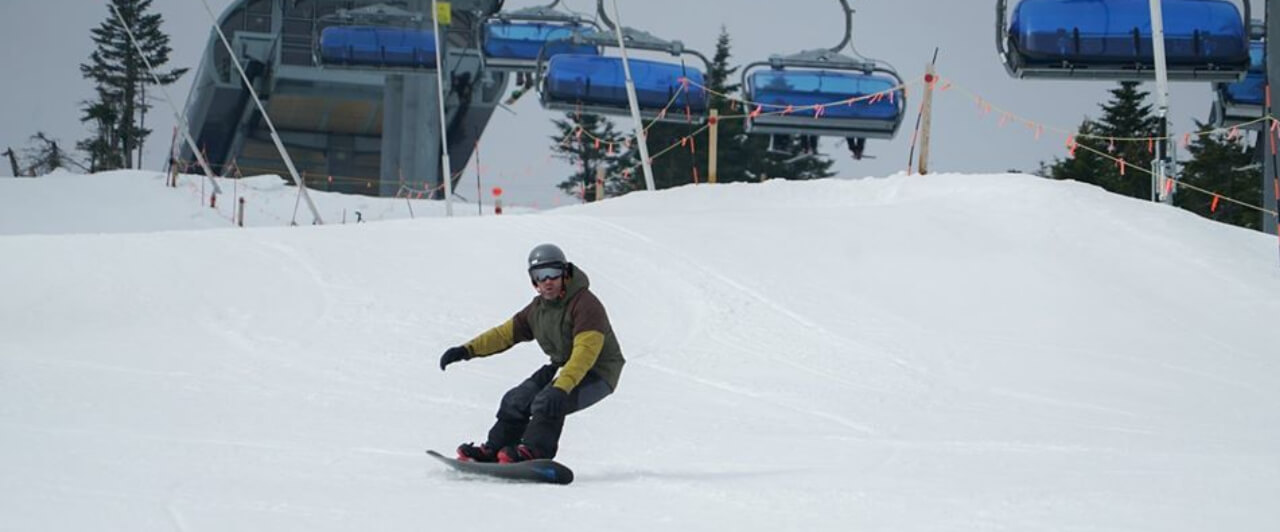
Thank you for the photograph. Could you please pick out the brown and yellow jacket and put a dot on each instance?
(573, 330)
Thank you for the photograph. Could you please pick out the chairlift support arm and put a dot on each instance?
(848, 27)
(547, 13)
(639, 40)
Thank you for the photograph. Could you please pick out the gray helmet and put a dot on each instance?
(546, 255)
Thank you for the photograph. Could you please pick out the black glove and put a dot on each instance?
(453, 354)
(552, 402)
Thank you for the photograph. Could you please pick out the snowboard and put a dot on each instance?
(541, 470)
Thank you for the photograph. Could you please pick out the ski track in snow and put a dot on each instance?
(739, 288)
(734, 290)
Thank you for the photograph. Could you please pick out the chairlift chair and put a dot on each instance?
(378, 46)
(825, 93)
(378, 36)
(591, 83)
(1205, 40)
(1244, 101)
(514, 40)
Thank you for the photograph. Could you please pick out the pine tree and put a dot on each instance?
(679, 157)
(99, 148)
(1085, 164)
(1125, 116)
(120, 77)
(590, 142)
(1227, 167)
(735, 155)
(747, 157)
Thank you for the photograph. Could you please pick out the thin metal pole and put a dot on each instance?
(1159, 189)
(444, 120)
(275, 137)
(635, 104)
(1271, 166)
(182, 119)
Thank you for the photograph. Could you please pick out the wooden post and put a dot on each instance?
(13, 161)
(599, 182)
(713, 146)
(926, 111)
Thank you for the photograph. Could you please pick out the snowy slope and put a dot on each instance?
(951, 352)
(130, 201)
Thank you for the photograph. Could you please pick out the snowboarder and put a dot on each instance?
(571, 326)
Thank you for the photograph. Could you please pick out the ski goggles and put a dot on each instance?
(542, 274)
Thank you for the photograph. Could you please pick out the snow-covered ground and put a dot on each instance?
(950, 352)
(132, 201)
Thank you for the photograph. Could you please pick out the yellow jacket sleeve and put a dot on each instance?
(586, 349)
(492, 341)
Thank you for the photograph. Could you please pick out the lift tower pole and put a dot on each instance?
(1160, 165)
(1266, 137)
(642, 139)
(447, 172)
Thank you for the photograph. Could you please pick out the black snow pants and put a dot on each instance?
(522, 416)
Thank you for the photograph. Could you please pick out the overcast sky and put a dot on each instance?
(45, 41)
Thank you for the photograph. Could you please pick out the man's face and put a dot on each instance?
(551, 288)
(549, 281)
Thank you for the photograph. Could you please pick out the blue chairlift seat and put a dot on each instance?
(595, 83)
(777, 89)
(517, 44)
(1252, 89)
(379, 46)
(1244, 100)
(1088, 38)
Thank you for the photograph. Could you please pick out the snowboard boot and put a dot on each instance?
(470, 452)
(518, 453)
